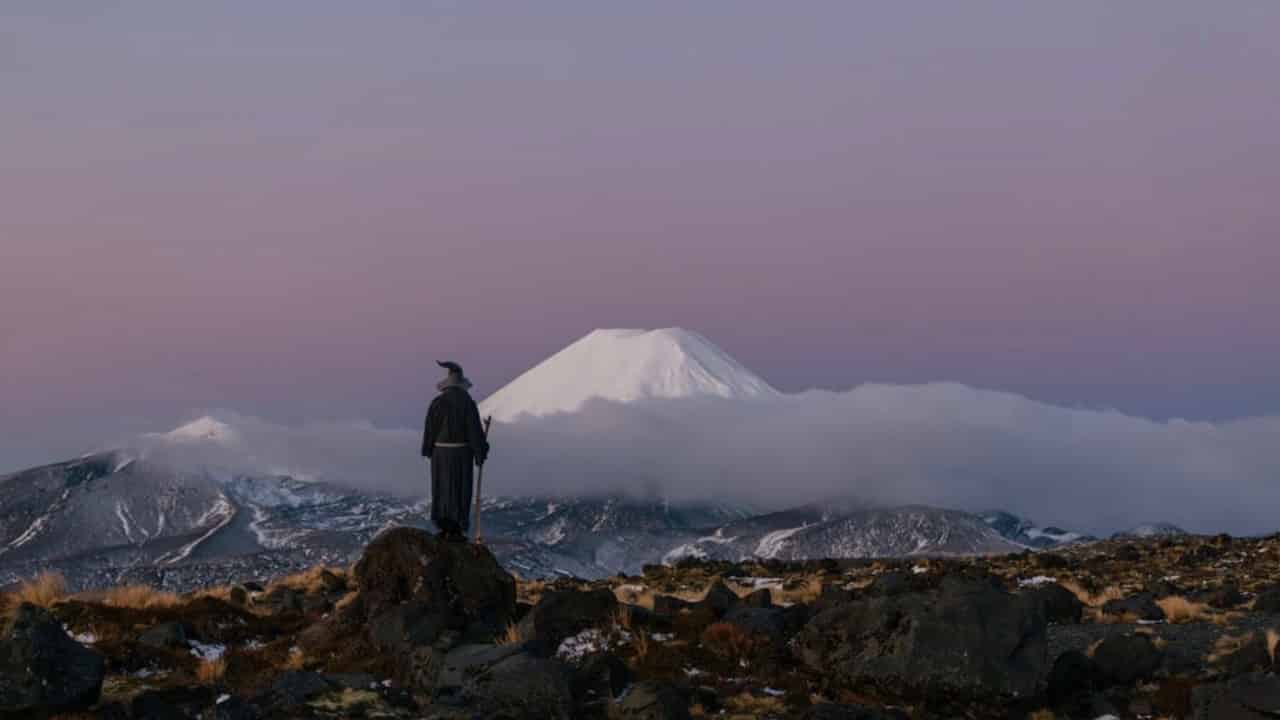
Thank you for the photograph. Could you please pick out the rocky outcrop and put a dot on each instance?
(461, 581)
(504, 681)
(561, 614)
(1125, 658)
(966, 638)
(42, 668)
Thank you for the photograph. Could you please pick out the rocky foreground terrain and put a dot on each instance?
(1182, 627)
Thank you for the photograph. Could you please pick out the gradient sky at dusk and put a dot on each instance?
(290, 209)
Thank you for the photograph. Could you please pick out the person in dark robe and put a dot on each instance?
(454, 441)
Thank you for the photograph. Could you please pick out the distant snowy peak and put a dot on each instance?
(626, 366)
(205, 429)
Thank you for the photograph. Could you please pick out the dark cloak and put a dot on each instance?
(453, 418)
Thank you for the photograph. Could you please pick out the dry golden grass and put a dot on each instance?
(514, 635)
(622, 618)
(309, 580)
(640, 644)
(746, 705)
(137, 597)
(530, 591)
(1178, 609)
(296, 660)
(1273, 639)
(1042, 714)
(1093, 648)
(45, 590)
(727, 640)
(1228, 645)
(210, 672)
(806, 593)
(1094, 600)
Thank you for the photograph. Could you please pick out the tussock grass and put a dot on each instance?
(46, 590)
(310, 580)
(747, 705)
(1273, 639)
(513, 635)
(1094, 600)
(137, 597)
(727, 640)
(1042, 714)
(1228, 645)
(1178, 609)
(210, 672)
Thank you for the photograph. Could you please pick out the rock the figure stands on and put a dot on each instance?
(454, 441)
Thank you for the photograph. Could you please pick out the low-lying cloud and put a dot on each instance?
(940, 444)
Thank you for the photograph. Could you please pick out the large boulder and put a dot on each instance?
(1059, 604)
(169, 635)
(461, 581)
(1122, 659)
(654, 701)
(966, 638)
(1074, 674)
(562, 614)
(504, 682)
(42, 668)
(1141, 606)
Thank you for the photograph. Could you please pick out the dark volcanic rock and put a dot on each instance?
(171, 635)
(1073, 674)
(171, 703)
(405, 564)
(561, 614)
(1223, 597)
(654, 701)
(505, 682)
(719, 599)
(966, 638)
(1268, 601)
(42, 668)
(1142, 606)
(669, 605)
(599, 679)
(1122, 659)
(1059, 604)
(1248, 697)
(762, 598)
(292, 690)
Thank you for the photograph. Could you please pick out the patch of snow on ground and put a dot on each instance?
(663, 637)
(208, 652)
(221, 699)
(773, 692)
(1037, 580)
(919, 569)
(757, 583)
(576, 647)
(770, 545)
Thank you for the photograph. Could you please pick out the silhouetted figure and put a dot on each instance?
(454, 440)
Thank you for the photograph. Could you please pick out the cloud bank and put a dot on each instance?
(939, 444)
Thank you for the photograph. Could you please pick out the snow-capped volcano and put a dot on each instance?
(200, 430)
(625, 366)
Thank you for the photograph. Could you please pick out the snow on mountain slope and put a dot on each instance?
(625, 366)
(201, 430)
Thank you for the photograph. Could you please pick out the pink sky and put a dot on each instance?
(291, 211)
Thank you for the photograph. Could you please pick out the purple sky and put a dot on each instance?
(291, 211)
